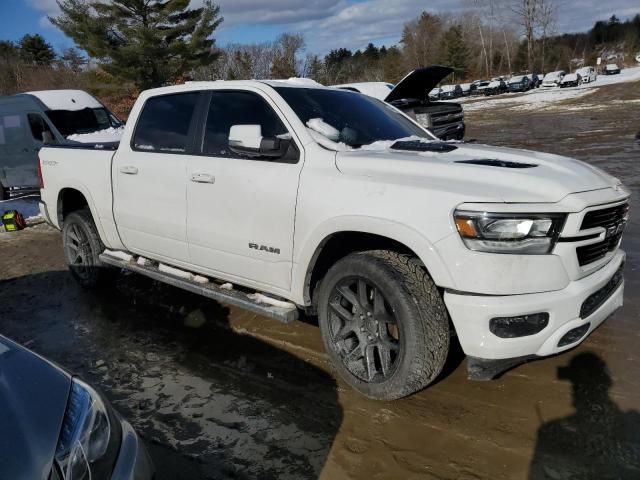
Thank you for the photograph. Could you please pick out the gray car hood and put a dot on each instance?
(33, 399)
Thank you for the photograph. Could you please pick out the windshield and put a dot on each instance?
(87, 120)
(357, 119)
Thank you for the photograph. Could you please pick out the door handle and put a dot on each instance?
(202, 178)
(129, 170)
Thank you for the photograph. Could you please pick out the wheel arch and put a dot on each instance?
(72, 198)
(349, 236)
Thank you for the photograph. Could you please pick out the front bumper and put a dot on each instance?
(133, 461)
(471, 315)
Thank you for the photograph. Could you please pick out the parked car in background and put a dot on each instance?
(570, 80)
(611, 69)
(534, 80)
(496, 87)
(434, 94)
(30, 119)
(467, 88)
(417, 95)
(519, 83)
(54, 426)
(480, 87)
(450, 92)
(553, 79)
(588, 74)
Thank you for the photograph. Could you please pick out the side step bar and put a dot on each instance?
(210, 290)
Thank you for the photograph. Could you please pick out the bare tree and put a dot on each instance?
(547, 15)
(526, 13)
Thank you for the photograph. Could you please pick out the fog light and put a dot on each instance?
(574, 335)
(520, 326)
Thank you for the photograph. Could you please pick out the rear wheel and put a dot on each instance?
(82, 247)
(384, 324)
(4, 193)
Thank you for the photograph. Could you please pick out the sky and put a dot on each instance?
(326, 24)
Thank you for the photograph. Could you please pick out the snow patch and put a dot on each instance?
(143, 262)
(200, 279)
(260, 298)
(73, 100)
(226, 286)
(175, 272)
(324, 129)
(328, 144)
(107, 135)
(119, 254)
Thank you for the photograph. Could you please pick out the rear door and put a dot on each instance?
(241, 211)
(149, 178)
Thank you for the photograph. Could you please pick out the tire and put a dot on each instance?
(82, 247)
(4, 193)
(384, 324)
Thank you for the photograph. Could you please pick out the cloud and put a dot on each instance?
(331, 24)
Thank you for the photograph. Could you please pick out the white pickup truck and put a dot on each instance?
(280, 196)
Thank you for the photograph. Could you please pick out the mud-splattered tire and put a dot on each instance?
(82, 247)
(384, 324)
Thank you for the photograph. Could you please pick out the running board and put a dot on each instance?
(210, 290)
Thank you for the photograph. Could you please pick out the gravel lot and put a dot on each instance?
(218, 392)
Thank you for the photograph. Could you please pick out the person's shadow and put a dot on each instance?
(598, 441)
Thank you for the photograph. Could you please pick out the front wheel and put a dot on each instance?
(384, 324)
(82, 248)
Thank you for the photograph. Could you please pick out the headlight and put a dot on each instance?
(85, 442)
(522, 234)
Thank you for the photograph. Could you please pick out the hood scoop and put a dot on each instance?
(489, 162)
(419, 146)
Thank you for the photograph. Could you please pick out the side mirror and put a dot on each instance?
(248, 140)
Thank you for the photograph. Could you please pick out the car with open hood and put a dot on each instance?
(328, 201)
(55, 426)
(417, 95)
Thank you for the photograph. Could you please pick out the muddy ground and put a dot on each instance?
(218, 392)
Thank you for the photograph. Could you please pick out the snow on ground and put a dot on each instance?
(26, 205)
(541, 98)
(107, 135)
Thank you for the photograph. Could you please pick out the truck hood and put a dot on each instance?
(481, 173)
(33, 399)
(419, 83)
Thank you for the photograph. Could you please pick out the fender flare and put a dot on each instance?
(311, 246)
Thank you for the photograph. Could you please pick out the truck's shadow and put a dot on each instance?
(598, 441)
(211, 403)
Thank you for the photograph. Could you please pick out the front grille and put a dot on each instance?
(613, 220)
(596, 299)
(607, 217)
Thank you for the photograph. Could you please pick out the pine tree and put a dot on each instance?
(456, 50)
(147, 42)
(34, 49)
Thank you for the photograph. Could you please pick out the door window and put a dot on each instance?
(38, 127)
(163, 125)
(228, 108)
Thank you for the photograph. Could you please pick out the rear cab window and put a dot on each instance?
(165, 123)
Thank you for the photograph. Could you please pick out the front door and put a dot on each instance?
(241, 211)
(149, 178)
